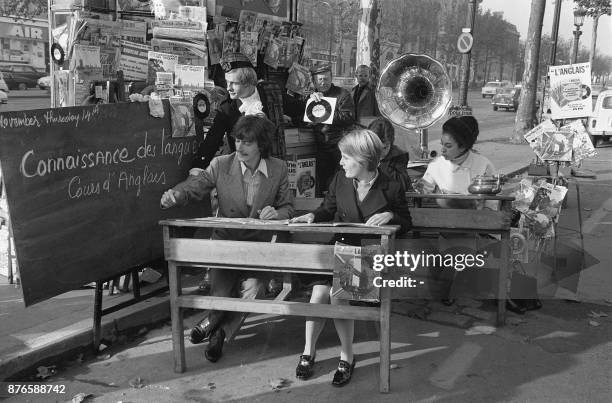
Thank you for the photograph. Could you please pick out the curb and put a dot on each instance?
(80, 335)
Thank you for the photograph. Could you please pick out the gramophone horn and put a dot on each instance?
(414, 91)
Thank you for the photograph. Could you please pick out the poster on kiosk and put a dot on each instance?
(570, 91)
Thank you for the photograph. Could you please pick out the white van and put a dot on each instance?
(599, 124)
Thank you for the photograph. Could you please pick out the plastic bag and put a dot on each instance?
(156, 107)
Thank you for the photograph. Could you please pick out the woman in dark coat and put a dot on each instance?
(359, 192)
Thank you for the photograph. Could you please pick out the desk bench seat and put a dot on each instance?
(285, 258)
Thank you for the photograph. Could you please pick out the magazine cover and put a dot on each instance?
(305, 177)
(160, 62)
(215, 46)
(299, 79)
(231, 39)
(582, 146)
(557, 145)
(189, 77)
(181, 114)
(86, 62)
(248, 46)
(291, 176)
(570, 90)
(247, 21)
(134, 60)
(353, 272)
(535, 137)
(273, 53)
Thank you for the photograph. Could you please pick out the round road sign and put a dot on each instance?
(465, 42)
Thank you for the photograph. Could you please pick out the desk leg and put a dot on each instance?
(502, 293)
(385, 326)
(385, 339)
(178, 338)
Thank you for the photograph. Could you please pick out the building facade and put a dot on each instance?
(24, 41)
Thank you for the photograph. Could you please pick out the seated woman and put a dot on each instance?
(394, 161)
(459, 164)
(358, 192)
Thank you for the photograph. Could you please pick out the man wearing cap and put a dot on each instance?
(328, 136)
(245, 98)
(363, 94)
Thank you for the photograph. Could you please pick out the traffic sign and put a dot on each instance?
(460, 110)
(465, 42)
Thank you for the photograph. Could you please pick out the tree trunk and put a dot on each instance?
(368, 37)
(594, 40)
(525, 115)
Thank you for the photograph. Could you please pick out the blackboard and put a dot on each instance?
(83, 187)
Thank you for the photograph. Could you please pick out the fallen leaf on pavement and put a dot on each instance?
(279, 383)
(480, 329)
(211, 386)
(137, 383)
(511, 320)
(104, 357)
(593, 323)
(594, 314)
(80, 397)
(45, 372)
(393, 366)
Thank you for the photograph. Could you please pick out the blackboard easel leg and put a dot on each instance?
(97, 325)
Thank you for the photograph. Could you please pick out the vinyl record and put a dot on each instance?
(586, 91)
(319, 112)
(57, 53)
(201, 106)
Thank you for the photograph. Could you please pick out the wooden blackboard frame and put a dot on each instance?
(83, 187)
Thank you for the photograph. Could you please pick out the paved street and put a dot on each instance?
(26, 100)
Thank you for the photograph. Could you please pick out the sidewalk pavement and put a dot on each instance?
(36, 334)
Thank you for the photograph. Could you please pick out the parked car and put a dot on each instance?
(44, 83)
(20, 76)
(490, 88)
(596, 89)
(599, 123)
(3, 86)
(3, 90)
(506, 98)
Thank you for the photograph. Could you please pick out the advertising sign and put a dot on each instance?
(570, 91)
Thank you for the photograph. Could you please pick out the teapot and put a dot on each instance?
(486, 184)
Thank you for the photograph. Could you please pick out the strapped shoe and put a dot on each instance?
(305, 367)
(343, 373)
(201, 331)
(215, 346)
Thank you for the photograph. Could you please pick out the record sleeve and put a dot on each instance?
(320, 112)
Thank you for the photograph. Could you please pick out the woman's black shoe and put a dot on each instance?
(305, 367)
(201, 331)
(215, 346)
(343, 373)
(514, 307)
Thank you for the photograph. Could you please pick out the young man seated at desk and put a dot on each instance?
(251, 184)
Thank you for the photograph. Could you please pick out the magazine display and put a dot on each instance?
(353, 272)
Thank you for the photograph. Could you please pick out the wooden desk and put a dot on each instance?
(470, 221)
(266, 256)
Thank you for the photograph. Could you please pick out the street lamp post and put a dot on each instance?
(579, 14)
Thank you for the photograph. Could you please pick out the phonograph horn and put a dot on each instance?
(414, 91)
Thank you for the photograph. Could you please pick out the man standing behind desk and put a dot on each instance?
(364, 95)
(245, 98)
(251, 184)
(328, 136)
